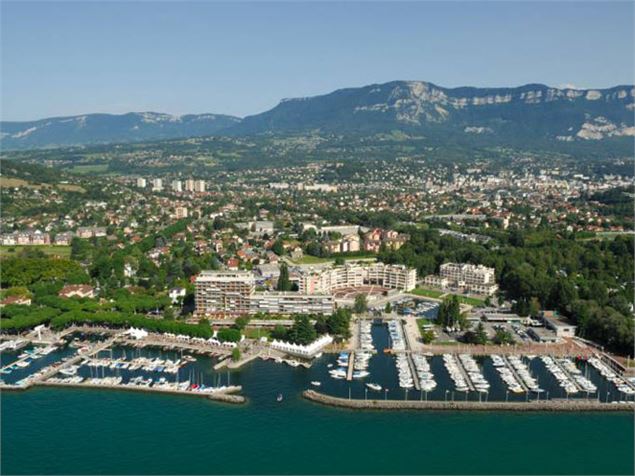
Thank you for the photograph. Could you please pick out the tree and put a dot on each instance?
(302, 332)
(283, 280)
(228, 335)
(361, 304)
(427, 336)
(388, 308)
(503, 337)
(279, 333)
(477, 336)
(236, 354)
(339, 323)
(241, 322)
(278, 247)
(449, 314)
(339, 261)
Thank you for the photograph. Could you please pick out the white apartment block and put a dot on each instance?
(141, 182)
(199, 185)
(177, 186)
(233, 293)
(472, 278)
(353, 276)
(189, 185)
(157, 185)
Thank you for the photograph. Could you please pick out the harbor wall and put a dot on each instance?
(540, 406)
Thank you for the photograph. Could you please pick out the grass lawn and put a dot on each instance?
(256, 333)
(52, 250)
(308, 259)
(427, 292)
(87, 169)
(471, 301)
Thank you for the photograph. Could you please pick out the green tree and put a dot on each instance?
(388, 308)
(361, 304)
(284, 284)
(302, 332)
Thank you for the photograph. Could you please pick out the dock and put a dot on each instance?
(467, 378)
(520, 381)
(569, 376)
(411, 364)
(351, 363)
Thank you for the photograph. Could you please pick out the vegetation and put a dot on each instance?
(449, 314)
(361, 304)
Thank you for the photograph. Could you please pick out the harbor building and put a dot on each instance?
(477, 279)
(327, 280)
(561, 327)
(234, 293)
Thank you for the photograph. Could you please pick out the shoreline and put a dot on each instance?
(533, 406)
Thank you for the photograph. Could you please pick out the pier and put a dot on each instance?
(467, 378)
(351, 363)
(520, 380)
(576, 405)
(411, 364)
(569, 376)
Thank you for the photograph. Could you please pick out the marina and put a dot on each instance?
(383, 364)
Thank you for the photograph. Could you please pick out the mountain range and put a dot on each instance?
(524, 114)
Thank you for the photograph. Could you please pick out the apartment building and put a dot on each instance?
(177, 186)
(141, 182)
(352, 276)
(224, 292)
(157, 185)
(233, 293)
(189, 185)
(181, 212)
(199, 186)
(469, 278)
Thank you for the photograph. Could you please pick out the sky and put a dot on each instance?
(241, 58)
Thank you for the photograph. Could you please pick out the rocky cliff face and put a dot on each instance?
(536, 110)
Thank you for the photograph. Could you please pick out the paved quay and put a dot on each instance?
(532, 406)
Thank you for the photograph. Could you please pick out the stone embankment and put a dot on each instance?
(540, 406)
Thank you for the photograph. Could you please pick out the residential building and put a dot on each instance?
(180, 212)
(177, 186)
(199, 186)
(470, 278)
(157, 185)
(141, 182)
(383, 275)
(77, 290)
(234, 293)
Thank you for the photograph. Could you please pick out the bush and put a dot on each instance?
(228, 335)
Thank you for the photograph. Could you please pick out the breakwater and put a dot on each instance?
(540, 406)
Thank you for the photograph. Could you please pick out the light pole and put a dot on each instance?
(607, 397)
(386, 394)
(506, 396)
(365, 394)
(349, 392)
(446, 395)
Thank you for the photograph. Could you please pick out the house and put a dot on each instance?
(77, 290)
(20, 300)
(64, 239)
(176, 293)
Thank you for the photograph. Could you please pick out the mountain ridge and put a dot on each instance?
(522, 114)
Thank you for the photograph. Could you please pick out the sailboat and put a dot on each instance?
(279, 398)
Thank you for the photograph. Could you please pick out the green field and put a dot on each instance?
(435, 294)
(88, 169)
(431, 293)
(256, 333)
(52, 250)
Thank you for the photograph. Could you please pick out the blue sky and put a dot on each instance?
(241, 58)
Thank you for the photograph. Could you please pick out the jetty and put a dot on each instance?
(576, 405)
(465, 375)
(520, 380)
(351, 362)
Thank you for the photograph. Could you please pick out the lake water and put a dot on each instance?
(85, 431)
